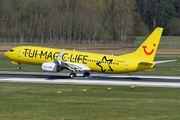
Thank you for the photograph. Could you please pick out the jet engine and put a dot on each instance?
(51, 67)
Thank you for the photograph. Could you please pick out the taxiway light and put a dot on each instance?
(132, 87)
(108, 89)
(85, 90)
(60, 92)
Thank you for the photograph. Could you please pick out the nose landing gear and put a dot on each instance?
(19, 67)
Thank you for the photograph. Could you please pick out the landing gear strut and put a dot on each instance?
(86, 74)
(19, 67)
(72, 75)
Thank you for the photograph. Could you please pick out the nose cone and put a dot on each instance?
(6, 54)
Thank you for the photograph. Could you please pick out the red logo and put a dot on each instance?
(148, 53)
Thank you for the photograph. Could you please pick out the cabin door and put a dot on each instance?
(126, 65)
(19, 52)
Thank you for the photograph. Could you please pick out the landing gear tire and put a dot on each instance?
(72, 75)
(19, 67)
(86, 74)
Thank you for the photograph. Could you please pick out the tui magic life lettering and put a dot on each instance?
(50, 55)
(34, 53)
(74, 58)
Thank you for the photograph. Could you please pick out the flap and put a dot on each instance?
(78, 67)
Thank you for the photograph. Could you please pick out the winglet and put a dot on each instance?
(58, 59)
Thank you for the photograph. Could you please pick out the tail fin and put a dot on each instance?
(147, 51)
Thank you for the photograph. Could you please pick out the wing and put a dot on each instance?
(58, 59)
(75, 66)
(69, 65)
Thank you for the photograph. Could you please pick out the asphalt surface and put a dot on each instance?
(94, 79)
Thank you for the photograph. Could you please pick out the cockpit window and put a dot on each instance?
(11, 50)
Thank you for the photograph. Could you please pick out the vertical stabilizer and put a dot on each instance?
(147, 51)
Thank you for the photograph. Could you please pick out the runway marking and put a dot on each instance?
(93, 82)
(148, 77)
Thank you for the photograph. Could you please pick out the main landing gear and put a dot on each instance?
(85, 74)
(19, 67)
(72, 75)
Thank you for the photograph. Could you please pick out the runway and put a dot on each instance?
(94, 79)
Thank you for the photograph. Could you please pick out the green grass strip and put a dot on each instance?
(20, 101)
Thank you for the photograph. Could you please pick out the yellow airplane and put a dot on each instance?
(56, 60)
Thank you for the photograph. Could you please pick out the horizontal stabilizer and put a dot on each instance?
(150, 63)
(164, 61)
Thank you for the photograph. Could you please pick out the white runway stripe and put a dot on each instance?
(150, 77)
(93, 82)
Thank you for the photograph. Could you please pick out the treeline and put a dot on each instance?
(87, 19)
(162, 13)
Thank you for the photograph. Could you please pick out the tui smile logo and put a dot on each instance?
(148, 53)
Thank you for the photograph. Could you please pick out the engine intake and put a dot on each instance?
(51, 67)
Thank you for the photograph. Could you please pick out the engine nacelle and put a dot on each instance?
(51, 67)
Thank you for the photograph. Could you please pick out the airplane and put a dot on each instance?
(56, 60)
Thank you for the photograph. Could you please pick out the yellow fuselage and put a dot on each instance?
(96, 62)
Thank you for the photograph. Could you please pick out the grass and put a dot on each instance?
(6, 65)
(41, 101)
(163, 38)
(166, 41)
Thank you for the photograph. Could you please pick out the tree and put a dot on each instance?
(120, 15)
(173, 27)
(168, 14)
